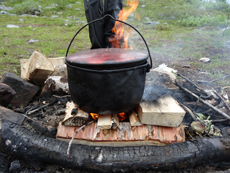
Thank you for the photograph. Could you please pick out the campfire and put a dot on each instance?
(111, 97)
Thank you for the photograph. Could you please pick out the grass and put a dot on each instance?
(187, 30)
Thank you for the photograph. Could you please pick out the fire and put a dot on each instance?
(120, 39)
(121, 116)
(94, 116)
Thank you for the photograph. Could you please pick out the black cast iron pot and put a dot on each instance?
(107, 80)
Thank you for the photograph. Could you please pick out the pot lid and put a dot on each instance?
(106, 57)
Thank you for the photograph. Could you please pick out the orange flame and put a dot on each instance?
(120, 39)
(94, 116)
(121, 116)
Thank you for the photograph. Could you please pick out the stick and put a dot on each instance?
(204, 102)
(201, 81)
(222, 99)
(70, 142)
(198, 88)
(190, 81)
(35, 110)
(62, 96)
(219, 121)
(189, 111)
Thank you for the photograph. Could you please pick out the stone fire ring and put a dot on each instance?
(36, 148)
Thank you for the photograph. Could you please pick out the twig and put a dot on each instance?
(35, 110)
(204, 102)
(70, 142)
(198, 88)
(201, 81)
(189, 111)
(219, 121)
(190, 82)
(62, 96)
(222, 99)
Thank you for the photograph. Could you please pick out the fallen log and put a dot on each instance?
(30, 146)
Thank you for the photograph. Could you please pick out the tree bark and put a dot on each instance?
(33, 147)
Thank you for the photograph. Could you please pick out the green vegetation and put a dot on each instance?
(175, 30)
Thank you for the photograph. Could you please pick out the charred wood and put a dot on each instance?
(189, 154)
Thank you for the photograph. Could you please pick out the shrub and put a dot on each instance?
(198, 21)
(26, 7)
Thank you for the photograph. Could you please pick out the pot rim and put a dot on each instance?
(145, 65)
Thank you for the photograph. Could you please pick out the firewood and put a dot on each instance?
(104, 121)
(115, 122)
(37, 68)
(134, 120)
(74, 119)
(165, 111)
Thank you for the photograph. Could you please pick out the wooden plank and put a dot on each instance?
(134, 120)
(104, 121)
(163, 112)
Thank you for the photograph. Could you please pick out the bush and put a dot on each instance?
(27, 7)
(198, 21)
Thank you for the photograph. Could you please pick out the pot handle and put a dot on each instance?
(108, 15)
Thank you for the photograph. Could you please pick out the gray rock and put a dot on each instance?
(148, 19)
(152, 23)
(33, 41)
(54, 16)
(59, 13)
(21, 20)
(204, 59)
(82, 22)
(12, 26)
(14, 166)
(4, 12)
(3, 7)
(77, 9)
(25, 15)
(69, 6)
(170, 18)
(25, 91)
(51, 6)
(6, 94)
